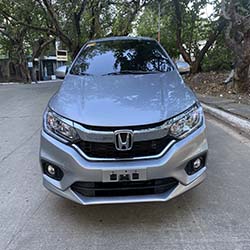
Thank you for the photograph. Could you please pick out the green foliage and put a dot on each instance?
(124, 13)
(30, 22)
(147, 25)
(196, 29)
(219, 57)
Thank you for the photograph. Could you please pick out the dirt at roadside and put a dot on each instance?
(212, 83)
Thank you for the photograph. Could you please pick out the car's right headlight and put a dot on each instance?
(60, 126)
(186, 123)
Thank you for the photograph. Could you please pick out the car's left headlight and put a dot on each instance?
(60, 126)
(186, 123)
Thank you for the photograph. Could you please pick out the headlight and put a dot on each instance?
(186, 123)
(59, 126)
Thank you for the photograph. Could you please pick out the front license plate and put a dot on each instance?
(124, 175)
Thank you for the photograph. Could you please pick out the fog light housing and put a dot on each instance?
(196, 164)
(52, 171)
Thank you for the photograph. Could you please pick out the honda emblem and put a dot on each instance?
(123, 140)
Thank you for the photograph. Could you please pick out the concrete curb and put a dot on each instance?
(9, 83)
(233, 120)
(48, 81)
(39, 82)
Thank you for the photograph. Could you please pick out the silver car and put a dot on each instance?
(123, 127)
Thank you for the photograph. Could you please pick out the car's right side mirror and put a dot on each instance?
(183, 67)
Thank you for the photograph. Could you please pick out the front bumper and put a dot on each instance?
(78, 169)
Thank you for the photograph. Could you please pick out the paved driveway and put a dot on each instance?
(215, 215)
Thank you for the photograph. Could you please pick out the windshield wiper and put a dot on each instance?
(84, 74)
(132, 72)
(112, 73)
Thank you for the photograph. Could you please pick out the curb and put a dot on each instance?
(233, 120)
(9, 83)
(21, 83)
(48, 81)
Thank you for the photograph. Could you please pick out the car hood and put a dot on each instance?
(122, 100)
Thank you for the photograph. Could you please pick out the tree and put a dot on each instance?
(76, 21)
(38, 47)
(58, 14)
(61, 19)
(32, 25)
(183, 28)
(17, 51)
(15, 40)
(219, 57)
(237, 14)
(189, 22)
(125, 14)
(147, 25)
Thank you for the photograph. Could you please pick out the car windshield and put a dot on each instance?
(121, 57)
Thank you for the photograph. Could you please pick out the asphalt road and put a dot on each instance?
(215, 215)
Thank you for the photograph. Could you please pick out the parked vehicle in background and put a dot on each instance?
(123, 127)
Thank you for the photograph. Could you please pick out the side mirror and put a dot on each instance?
(62, 71)
(183, 67)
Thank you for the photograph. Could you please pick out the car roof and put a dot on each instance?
(121, 38)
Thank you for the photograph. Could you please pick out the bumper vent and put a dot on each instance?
(100, 189)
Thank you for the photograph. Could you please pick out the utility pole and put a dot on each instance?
(159, 21)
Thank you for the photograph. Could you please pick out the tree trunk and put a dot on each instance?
(25, 74)
(199, 56)
(38, 47)
(238, 40)
(92, 26)
(75, 51)
(33, 73)
(241, 81)
(195, 67)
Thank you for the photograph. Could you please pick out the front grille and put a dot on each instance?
(139, 149)
(129, 188)
(136, 127)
